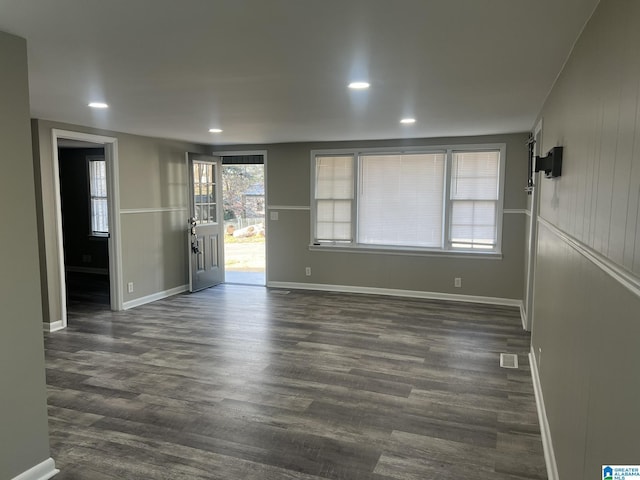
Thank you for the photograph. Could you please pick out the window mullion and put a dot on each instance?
(356, 197)
(446, 203)
(314, 198)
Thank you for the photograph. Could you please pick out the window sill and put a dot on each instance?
(406, 251)
(98, 236)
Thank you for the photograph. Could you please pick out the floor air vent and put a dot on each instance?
(280, 292)
(508, 360)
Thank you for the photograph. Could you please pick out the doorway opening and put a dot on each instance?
(85, 224)
(244, 200)
(86, 197)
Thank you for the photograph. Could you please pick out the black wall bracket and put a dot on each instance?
(551, 164)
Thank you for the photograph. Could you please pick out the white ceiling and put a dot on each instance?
(277, 70)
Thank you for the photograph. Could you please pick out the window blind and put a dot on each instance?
(401, 199)
(334, 196)
(474, 199)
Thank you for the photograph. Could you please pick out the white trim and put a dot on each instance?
(527, 213)
(627, 279)
(266, 222)
(545, 431)
(129, 211)
(110, 145)
(116, 279)
(514, 210)
(288, 207)
(510, 302)
(405, 251)
(264, 154)
(502, 175)
(53, 326)
(529, 286)
(523, 316)
(399, 149)
(43, 471)
(57, 202)
(154, 296)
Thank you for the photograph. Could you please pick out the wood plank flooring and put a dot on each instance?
(240, 382)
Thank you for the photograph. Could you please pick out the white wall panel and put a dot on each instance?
(593, 112)
(586, 321)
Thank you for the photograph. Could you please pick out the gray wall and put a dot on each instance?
(288, 184)
(587, 322)
(153, 178)
(24, 439)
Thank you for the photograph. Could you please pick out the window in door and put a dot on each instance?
(204, 191)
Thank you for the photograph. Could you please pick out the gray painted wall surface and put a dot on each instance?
(153, 175)
(587, 324)
(288, 184)
(24, 440)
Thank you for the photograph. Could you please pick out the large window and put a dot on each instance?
(446, 199)
(98, 190)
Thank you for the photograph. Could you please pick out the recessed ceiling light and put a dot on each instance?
(359, 85)
(98, 105)
(408, 121)
(215, 130)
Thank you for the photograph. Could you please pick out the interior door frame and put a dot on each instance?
(239, 153)
(533, 232)
(113, 201)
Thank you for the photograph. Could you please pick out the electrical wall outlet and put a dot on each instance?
(457, 282)
(273, 215)
(86, 258)
(539, 357)
(130, 287)
(307, 271)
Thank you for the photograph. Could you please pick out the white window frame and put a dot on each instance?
(90, 159)
(446, 249)
(314, 200)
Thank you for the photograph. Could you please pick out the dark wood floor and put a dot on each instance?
(240, 382)
(84, 288)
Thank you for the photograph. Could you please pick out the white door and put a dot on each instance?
(205, 225)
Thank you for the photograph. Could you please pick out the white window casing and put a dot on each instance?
(432, 199)
(333, 199)
(474, 195)
(98, 192)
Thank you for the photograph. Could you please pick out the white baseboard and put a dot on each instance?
(547, 444)
(154, 296)
(53, 326)
(523, 316)
(396, 293)
(42, 471)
